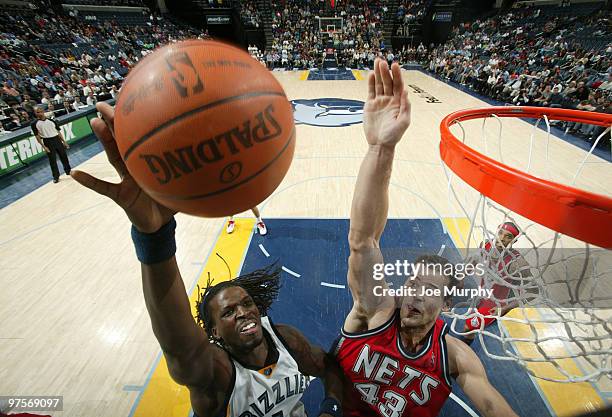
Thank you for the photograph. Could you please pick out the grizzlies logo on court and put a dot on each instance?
(328, 112)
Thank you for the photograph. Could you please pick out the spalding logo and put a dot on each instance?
(328, 112)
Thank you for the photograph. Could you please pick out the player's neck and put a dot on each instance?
(413, 338)
(255, 357)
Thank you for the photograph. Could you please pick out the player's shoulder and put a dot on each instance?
(289, 334)
(292, 339)
(375, 325)
(221, 360)
(460, 355)
(455, 349)
(516, 260)
(310, 358)
(454, 343)
(208, 368)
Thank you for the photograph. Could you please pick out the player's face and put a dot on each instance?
(504, 239)
(236, 319)
(424, 307)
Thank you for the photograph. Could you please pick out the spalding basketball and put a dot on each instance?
(204, 128)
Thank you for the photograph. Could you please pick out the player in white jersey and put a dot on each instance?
(275, 388)
(239, 364)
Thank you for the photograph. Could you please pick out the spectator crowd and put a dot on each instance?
(299, 42)
(249, 14)
(410, 11)
(64, 61)
(534, 57)
(408, 14)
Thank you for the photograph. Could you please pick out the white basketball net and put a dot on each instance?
(561, 330)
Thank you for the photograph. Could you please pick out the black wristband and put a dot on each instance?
(330, 406)
(152, 248)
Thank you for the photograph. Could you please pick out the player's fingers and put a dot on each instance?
(99, 186)
(405, 107)
(108, 115)
(386, 78)
(398, 82)
(380, 89)
(105, 135)
(371, 86)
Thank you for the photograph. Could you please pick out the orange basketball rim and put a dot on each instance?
(568, 210)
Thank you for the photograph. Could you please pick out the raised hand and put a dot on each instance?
(145, 213)
(387, 110)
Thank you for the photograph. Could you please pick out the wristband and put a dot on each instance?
(152, 248)
(330, 406)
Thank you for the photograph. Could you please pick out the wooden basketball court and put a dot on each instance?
(73, 318)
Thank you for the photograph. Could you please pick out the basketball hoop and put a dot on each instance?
(580, 214)
(562, 329)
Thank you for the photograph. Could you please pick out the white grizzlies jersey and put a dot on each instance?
(273, 391)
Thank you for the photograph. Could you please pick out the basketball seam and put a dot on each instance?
(231, 187)
(190, 113)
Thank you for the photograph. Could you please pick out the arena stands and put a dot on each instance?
(249, 14)
(411, 11)
(296, 40)
(409, 17)
(548, 56)
(257, 54)
(361, 39)
(299, 43)
(68, 59)
(125, 3)
(544, 56)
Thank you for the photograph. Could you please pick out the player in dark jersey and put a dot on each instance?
(507, 263)
(396, 353)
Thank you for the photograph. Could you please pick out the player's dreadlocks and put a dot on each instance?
(262, 285)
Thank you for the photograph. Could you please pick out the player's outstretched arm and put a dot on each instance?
(386, 118)
(472, 378)
(314, 361)
(181, 339)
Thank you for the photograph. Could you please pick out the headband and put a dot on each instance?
(511, 228)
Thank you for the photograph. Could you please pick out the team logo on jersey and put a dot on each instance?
(274, 397)
(328, 112)
(267, 371)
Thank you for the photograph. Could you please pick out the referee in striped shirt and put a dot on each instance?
(50, 137)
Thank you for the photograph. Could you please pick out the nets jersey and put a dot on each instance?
(387, 381)
(275, 390)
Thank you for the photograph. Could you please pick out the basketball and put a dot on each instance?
(204, 128)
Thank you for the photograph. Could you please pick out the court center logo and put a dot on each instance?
(328, 112)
